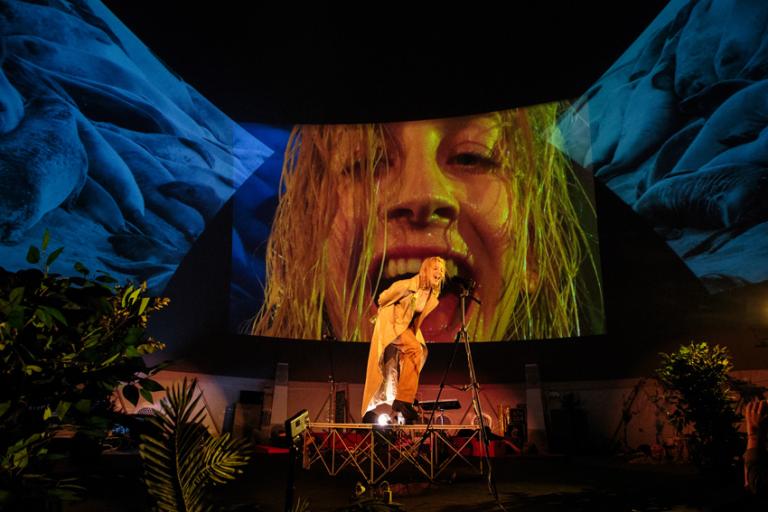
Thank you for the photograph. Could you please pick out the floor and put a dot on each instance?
(523, 483)
(533, 483)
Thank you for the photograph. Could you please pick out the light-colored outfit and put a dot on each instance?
(384, 381)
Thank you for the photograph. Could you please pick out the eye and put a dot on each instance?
(473, 161)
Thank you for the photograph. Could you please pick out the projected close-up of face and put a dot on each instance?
(440, 193)
(365, 204)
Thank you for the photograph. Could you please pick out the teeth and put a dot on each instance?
(400, 266)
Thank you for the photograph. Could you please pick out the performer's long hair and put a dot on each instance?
(541, 290)
(424, 270)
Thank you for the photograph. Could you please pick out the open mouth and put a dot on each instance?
(442, 323)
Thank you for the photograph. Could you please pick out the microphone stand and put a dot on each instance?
(463, 337)
(331, 398)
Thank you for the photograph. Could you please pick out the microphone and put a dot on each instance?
(462, 286)
(458, 283)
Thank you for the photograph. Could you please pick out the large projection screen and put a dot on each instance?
(353, 208)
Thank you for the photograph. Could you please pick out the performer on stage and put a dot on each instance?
(398, 350)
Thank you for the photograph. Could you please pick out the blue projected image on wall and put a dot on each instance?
(678, 128)
(125, 163)
(100, 143)
(254, 206)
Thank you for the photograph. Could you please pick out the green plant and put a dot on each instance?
(696, 385)
(182, 459)
(66, 345)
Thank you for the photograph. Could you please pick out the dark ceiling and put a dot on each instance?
(379, 62)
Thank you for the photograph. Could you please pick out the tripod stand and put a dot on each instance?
(462, 337)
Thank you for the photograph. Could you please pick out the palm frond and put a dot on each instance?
(181, 459)
(224, 458)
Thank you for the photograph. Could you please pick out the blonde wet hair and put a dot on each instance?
(541, 289)
(424, 281)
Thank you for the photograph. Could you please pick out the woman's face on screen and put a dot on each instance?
(443, 193)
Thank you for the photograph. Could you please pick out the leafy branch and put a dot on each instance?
(698, 388)
(181, 459)
(67, 344)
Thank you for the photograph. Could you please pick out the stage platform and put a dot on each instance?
(375, 451)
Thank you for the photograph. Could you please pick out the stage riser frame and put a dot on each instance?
(376, 451)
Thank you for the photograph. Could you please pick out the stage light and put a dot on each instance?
(297, 424)
(383, 420)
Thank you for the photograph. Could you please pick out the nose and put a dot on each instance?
(424, 194)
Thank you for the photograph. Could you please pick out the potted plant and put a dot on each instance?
(697, 386)
(67, 344)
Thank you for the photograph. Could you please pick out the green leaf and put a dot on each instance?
(33, 254)
(46, 239)
(131, 393)
(131, 351)
(16, 295)
(47, 413)
(29, 369)
(125, 295)
(83, 406)
(79, 267)
(53, 256)
(4, 406)
(69, 357)
(21, 458)
(37, 436)
(151, 385)
(44, 317)
(91, 341)
(16, 317)
(55, 313)
(134, 296)
(147, 395)
(105, 278)
(62, 409)
(111, 359)
(144, 302)
(133, 335)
